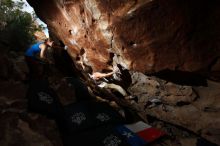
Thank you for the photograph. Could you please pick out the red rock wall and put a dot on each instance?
(144, 35)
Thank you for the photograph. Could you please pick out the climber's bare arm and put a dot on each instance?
(98, 75)
(42, 52)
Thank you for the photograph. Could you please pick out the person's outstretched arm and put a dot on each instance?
(42, 52)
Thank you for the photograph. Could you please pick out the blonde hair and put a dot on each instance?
(40, 36)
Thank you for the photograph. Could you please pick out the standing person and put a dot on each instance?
(35, 69)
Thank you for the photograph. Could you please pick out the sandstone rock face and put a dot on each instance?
(145, 35)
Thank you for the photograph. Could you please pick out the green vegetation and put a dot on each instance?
(16, 27)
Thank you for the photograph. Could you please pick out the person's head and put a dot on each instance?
(48, 42)
(40, 36)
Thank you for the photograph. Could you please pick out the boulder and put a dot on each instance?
(147, 35)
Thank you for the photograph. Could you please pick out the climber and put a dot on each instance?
(31, 56)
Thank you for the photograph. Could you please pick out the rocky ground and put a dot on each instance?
(191, 111)
(194, 108)
(18, 126)
(185, 112)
